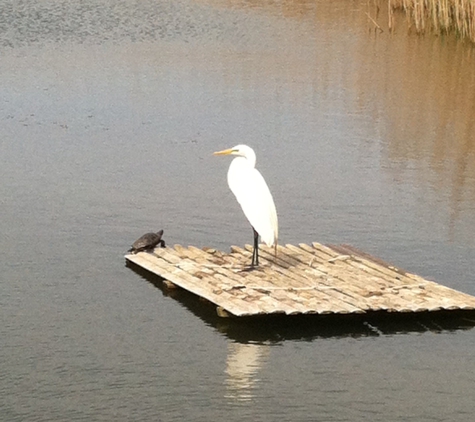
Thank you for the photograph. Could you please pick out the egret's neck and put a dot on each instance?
(242, 162)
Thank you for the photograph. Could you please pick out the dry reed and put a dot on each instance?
(440, 16)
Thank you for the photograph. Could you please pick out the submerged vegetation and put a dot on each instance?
(440, 16)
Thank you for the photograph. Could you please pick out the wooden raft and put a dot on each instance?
(303, 279)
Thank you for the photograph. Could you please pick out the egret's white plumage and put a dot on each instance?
(253, 194)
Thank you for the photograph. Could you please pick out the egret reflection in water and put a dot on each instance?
(242, 368)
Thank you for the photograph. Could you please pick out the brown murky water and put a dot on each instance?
(110, 111)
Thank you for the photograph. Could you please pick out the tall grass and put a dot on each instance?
(440, 16)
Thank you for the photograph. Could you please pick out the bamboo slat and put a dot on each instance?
(303, 279)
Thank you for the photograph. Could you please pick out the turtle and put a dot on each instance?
(147, 242)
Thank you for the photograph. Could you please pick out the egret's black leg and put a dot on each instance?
(255, 252)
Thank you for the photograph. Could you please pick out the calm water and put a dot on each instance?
(110, 111)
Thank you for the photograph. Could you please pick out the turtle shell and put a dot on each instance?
(147, 241)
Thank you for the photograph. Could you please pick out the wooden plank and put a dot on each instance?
(233, 299)
(301, 279)
(260, 281)
(175, 274)
(315, 301)
(365, 293)
(373, 284)
(416, 300)
(433, 292)
(187, 281)
(314, 287)
(351, 294)
(246, 281)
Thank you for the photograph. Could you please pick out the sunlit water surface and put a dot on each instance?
(110, 112)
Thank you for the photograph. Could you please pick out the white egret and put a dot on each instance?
(254, 196)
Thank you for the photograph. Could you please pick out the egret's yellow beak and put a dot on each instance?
(224, 152)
